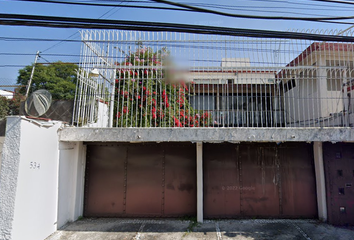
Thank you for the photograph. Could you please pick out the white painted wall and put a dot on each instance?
(302, 103)
(102, 116)
(7, 94)
(240, 77)
(235, 62)
(72, 160)
(320, 181)
(29, 180)
(2, 139)
(255, 78)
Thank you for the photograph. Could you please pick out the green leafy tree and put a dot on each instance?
(4, 107)
(58, 78)
(15, 102)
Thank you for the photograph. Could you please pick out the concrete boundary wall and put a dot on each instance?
(29, 180)
(2, 139)
(207, 134)
(72, 162)
(9, 177)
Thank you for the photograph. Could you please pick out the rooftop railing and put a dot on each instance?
(142, 79)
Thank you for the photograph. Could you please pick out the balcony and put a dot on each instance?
(139, 81)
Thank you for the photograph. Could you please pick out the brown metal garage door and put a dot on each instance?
(259, 180)
(140, 180)
(339, 169)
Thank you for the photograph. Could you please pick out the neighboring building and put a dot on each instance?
(237, 97)
(313, 84)
(348, 94)
(7, 94)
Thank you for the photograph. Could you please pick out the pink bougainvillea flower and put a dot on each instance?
(125, 110)
(185, 86)
(177, 122)
(133, 80)
(143, 50)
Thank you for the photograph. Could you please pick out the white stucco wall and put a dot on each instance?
(29, 180)
(7, 94)
(2, 139)
(102, 116)
(72, 160)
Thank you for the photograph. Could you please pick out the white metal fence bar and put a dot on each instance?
(167, 79)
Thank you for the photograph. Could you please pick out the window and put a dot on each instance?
(202, 102)
(334, 80)
(290, 84)
(335, 69)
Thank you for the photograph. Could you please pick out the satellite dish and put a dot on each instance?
(38, 103)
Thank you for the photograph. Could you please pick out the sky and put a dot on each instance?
(8, 75)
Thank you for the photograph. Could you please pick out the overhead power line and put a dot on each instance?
(190, 8)
(105, 5)
(21, 66)
(204, 10)
(217, 6)
(66, 22)
(42, 54)
(334, 1)
(72, 35)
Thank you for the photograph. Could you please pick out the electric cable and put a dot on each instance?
(69, 22)
(204, 10)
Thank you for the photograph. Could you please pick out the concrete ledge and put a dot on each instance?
(206, 134)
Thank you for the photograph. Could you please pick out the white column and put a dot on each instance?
(200, 182)
(320, 181)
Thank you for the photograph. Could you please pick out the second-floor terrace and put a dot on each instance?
(141, 80)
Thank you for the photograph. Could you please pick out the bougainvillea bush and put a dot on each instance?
(148, 96)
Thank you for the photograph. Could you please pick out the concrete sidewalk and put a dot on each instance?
(110, 228)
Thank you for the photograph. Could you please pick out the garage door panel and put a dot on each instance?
(298, 181)
(180, 180)
(221, 181)
(260, 181)
(104, 189)
(140, 180)
(144, 180)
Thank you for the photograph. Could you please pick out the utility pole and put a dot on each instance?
(30, 80)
